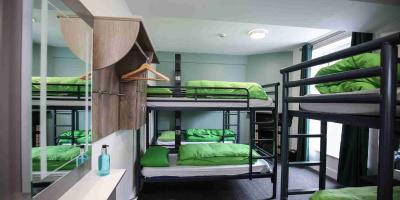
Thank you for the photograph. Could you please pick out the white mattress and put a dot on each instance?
(61, 103)
(183, 142)
(261, 166)
(346, 108)
(212, 103)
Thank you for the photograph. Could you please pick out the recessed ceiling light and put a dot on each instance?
(221, 35)
(257, 34)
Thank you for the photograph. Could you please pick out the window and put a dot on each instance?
(334, 129)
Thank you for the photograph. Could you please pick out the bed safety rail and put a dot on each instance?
(77, 92)
(386, 99)
(198, 94)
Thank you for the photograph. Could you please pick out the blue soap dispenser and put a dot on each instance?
(82, 156)
(104, 162)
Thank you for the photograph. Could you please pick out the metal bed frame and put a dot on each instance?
(270, 157)
(75, 95)
(386, 121)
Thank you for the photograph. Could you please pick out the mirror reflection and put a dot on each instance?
(61, 97)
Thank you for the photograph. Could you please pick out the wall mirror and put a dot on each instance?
(61, 94)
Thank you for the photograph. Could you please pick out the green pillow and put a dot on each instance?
(155, 157)
(167, 136)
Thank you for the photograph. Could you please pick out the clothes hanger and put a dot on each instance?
(86, 76)
(133, 75)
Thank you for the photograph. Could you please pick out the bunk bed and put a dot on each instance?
(259, 163)
(372, 109)
(65, 97)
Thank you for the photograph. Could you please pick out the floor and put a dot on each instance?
(231, 189)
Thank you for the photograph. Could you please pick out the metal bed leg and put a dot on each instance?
(322, 155)
(388, 114)
(137, 163)
(147, 129)
(73, 126)
(284, 140)
(251, 142)
(238, 127)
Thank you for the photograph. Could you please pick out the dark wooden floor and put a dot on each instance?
(230, 189)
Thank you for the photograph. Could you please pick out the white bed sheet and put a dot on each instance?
(213, 103)
(347, 108)
(183, 142)
(261, 166)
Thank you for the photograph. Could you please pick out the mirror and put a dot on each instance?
(61, 100)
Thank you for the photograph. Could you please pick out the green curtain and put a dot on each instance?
(302, 143)
(353, 156)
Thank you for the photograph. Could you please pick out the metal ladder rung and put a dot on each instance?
(302, 191)
(305, 163)
(304, 135)
(263, 139)
(63, 125)
(263, 157)
(264, 123)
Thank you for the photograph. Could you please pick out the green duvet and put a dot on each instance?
(214, 154)
(209, 135)
(361, 61)
(65, 137)
(352, 193)
(60, 88)
(255, 90)
(56, 156)
(159, 92)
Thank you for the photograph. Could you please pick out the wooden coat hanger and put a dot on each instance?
(133, 75)
(86, 76)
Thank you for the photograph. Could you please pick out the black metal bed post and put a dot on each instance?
(155, 125)
(55, 126)
(238, 127)
(251, 142)
(388, 114)
(284, 139)
(147, 128)
(224, 124)
(137, 163)
(322, 155)
(275, 145)
(73, 126)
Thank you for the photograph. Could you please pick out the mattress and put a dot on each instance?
(171, 143)
(61, 102)
(183, 102)
(346, 108)
(261, 166)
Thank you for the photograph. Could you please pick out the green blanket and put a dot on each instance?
(65, 137)
(209, 135)
(352, 193)
(167, 136)
(56, 156)
(255, 90)
(361, 61)
(159, 92)
(214, 154)
(60, 88)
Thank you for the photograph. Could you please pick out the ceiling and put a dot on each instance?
(193, 25)
(201, 36)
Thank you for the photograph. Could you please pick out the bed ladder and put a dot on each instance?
(285, 191)
(72, 126)
(227, 122)
(267, 155)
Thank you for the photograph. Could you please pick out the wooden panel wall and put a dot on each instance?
(105, 102)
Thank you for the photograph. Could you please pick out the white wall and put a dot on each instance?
(121, 150)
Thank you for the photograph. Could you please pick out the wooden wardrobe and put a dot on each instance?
(118, 48)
